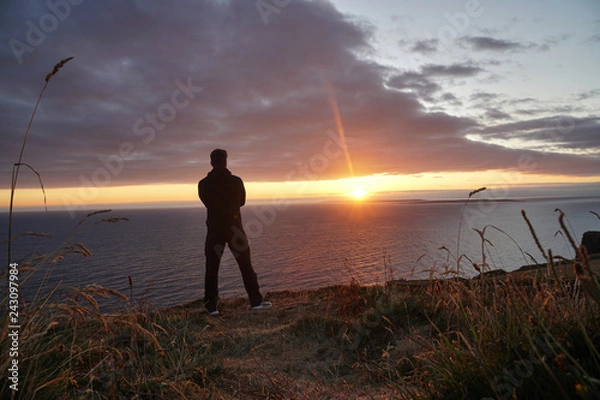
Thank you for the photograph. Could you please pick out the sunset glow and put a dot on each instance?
(370, 187)
(358, 194)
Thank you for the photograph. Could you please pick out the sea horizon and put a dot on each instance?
(301, 246)
(525, 193)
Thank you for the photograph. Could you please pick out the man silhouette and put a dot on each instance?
(223, 194)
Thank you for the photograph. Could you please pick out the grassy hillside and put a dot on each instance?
(516, 334)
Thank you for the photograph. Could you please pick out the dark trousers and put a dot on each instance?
(236, 239)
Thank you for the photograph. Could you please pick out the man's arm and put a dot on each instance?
(202, 194)
(242, 193)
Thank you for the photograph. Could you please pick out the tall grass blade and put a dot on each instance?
(462, 213)
(41, 183)
(17, 165)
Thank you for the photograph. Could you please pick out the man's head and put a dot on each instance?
(218, 158)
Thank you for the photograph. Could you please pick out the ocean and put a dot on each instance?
(296, 247)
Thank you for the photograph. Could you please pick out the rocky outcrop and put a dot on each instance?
(591, 242)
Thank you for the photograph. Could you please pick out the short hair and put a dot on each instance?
(218, 158)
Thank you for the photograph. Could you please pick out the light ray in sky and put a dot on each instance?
(335, 109)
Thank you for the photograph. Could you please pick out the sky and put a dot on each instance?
(310, 98)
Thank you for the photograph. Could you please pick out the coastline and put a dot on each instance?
(525, 274)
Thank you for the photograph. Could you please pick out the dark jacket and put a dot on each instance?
(223, 194)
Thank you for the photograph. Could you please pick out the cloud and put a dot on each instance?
(496, 114)
(553, 135)
(450, 98)
(486, 43)
(483, 97)
(454, 70)
(154, 87)
(417, 82)
(594, 39)
(552, 42)
(423, 83)
(589, 94)
(427, 46)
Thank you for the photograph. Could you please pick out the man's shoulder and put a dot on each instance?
(222, 176)
(237, 178)
(237, 181)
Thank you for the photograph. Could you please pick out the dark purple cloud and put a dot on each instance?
(154, 87)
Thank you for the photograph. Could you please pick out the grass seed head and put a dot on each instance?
(57, 68)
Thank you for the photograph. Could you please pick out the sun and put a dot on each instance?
(358, 193)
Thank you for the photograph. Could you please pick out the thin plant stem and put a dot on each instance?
(17, 165)
(15, 172)
(462, 213)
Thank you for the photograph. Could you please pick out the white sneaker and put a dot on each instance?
(213, 313)
(262, 306)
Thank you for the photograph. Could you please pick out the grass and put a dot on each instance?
(512, 336)
(530, 334)
(19, 163)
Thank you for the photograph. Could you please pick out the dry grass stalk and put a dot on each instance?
(18, 164)
(57, 68)
(534, 234)
(91, 214)
(462, 213)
